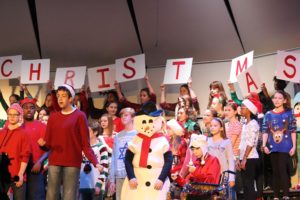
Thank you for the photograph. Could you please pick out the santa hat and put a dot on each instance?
(16, 107)
(28, 100)
(70, 88)
(254, 106)
(254, 95)
(199, 141)
(175, 127)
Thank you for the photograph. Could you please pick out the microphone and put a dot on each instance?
(15, 178)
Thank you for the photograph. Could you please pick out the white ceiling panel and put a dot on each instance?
(88, 33)
(267, 26)
(17, 33)
(191, 28)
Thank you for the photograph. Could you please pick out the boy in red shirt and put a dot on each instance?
(66, 137)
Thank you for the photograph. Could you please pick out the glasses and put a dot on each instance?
(194, 148)
(13, 115)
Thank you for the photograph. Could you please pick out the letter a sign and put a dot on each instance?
(178, 70)
(249, 81)
(35, 71)
(240, 64)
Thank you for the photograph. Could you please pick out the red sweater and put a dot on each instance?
(67, 136)
(17, 145)
(207, 173)
(118, 125)
(36, 130)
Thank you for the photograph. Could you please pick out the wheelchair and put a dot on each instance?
(205, 191)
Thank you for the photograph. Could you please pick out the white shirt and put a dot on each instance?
(250, 133)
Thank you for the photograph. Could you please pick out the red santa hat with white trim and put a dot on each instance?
(255, 106)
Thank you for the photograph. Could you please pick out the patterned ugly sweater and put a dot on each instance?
(94, 178)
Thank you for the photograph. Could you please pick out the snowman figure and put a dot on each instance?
(148, 160)
(297, 116)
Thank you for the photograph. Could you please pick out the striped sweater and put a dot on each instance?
(94, 178)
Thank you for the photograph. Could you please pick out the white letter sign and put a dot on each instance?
(35, 71)
(249, 81)
(178, 70)
(239, 64)
(288, 66)
(130, 68)
(73, 76)
(10, 67)
(101, 78)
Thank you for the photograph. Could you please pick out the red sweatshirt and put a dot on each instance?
(36, 130)
(118, 125)
(207, 173)
(67, 136)
(17, 145)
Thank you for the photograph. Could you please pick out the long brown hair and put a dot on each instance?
(287, 97)
(219, 86)
(223, 131)
(110, 124)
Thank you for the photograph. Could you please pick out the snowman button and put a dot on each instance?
(147, 183)
(149, 166)
(150, 150)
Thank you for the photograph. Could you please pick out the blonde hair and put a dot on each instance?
(127, 110)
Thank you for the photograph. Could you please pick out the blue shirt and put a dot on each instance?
(117, 166)
(279, 126)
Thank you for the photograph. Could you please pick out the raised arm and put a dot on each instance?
(149, 84)
(193, 96)
(162, 93)
(233, 94)
(119, 92)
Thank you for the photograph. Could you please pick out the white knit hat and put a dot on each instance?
(200, 141)
(175, 127)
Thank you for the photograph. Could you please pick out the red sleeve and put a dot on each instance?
(209, 174)
(135, 106)
(181, 153)
(153, 97)
(55, 106)
(43, 129)
(168, 106)
(84, 103)
(118, 125)
(85, 140)
(25, 153)
(47, 137)
(181, 181)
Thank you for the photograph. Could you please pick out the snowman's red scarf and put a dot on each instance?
(146, 146)
(297, 115)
